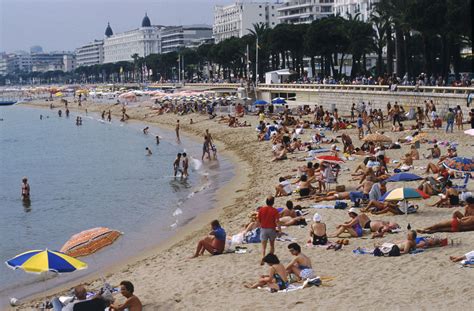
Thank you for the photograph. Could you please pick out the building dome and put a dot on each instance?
(146, 21)
(108, 31)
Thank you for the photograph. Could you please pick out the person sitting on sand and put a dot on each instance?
(317, 231)
(468, 257)
(353, 226)
(214, 243)
(415, 155)
(280, 154)
(450, 154)
(468, 209)
(432, 186)
(435, 152)
(80, 293)
(305, 187)
(300, 266)
(283, 188)
(132, 303)
(453, 225)
(288, 216)
(277, 278)
(406, 163)
(450, 198)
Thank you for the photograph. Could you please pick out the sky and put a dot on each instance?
(63, 25)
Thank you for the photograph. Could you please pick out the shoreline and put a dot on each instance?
(223, 198)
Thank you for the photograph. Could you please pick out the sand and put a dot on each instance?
(166, 280)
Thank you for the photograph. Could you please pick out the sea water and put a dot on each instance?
(95, 174)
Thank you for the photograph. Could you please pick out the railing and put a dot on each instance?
(366, 88)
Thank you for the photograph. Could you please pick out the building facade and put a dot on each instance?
(142, 41)
(304, 11)
(90, 54)
(175, 38)
(363, 8)
(236, 20)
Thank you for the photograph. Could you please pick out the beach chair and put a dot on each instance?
(464, 184)
(330, 177)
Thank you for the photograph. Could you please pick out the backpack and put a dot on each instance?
(394, 252)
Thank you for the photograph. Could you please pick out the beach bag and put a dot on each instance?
(378, 252)
(394, 252)
(340, 205)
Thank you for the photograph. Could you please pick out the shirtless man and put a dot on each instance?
(288, 216)
(25, 189)
(185, 163)
(468, 210)
(132, 303)
(454, 225)
(177, 165)
(300, 266)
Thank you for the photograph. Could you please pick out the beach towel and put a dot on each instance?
(312, 153)
(321, 206)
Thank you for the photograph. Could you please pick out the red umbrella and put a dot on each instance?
(330, 159)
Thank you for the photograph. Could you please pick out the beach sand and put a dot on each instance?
(165, 279)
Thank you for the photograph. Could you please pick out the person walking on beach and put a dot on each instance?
(177, 131)
(177, 165)
(132, 303)
(269, 219)
(25, 189)
(206, 148)
(185, 165)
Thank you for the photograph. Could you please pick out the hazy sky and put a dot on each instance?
(67, 24)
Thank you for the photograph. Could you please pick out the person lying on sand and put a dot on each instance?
(353, 226)
(300, 266)
(333, 196)
(380, 227)
(407, 245)
(288, 216)
(468, 256)
(214, 243)
(432, 186)
(453, 225)
(317, 231)
(427, 242)
(378, 207)
(277, 277)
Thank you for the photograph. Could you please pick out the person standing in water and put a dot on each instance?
(157, 139)
(177, 131)
(25, 189)
(148, 151)
(109, 116)
(177, 165)
(185, 165)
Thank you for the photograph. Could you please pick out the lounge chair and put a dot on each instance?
(464, 184)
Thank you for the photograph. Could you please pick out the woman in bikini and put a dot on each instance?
(353, 226)
(317, 231)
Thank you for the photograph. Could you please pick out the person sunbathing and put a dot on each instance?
(414, 153)
(305, 187)
(435, 152)
(277, 277)
(409, 244)
(281, 154)
(428, 242)
(468, 257)
(453, 225)
(283, 188)
(353, 226)
(406, 163)
(288, 216)
(214, 243)
(333, 196)
(380, 227)
(300, 266)
(317, 231)
(450, 198)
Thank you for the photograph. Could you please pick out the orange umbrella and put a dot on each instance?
(89, 241)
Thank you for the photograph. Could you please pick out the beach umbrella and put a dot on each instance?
(279, 101)
(58, 94)
(459, 164)
(89, 241)
(260, 102)
(403, 177)
(376, 137)
(39, 261)
(330, 159)
(469, 132)
(400, 194)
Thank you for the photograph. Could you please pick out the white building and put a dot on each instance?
(142, 41)
(354, 7)
(304, 11)
(90, 54)
(175, 38)
(69, 62)
(237, 19)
